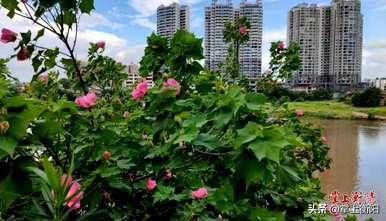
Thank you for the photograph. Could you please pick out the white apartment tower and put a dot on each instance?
(216, 49)
(172, 18)
(347, 43)
(250, 52)
(330, 39)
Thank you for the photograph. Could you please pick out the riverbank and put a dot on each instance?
(338, 110)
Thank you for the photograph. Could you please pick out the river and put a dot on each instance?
(358, 151)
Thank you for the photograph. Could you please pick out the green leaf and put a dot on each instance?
(86, 6)
(68, 18)
(50, 57)
(221, 117)
(8, 144)
(265, 149)
(11, 5)
(125, 164)
(8, 192)
(163, 193)
(39, 34)
(198, 120)
(263, 214)
(52, 175)
(40, 173)
(26, 37)
(207, 140)
(271, 144)
(36, 61)
(254, 101)
(20, 114)
(108, 172)
(247, 134)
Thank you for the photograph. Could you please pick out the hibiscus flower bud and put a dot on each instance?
(106, 155)
(126, 114)
(4, 126)
(151, 185)
(7, 36)
(101, 44)
(299, 112)
(131, 176)
(243, 30)
(324, 139)
(168, 175)
(44, 78)
(106, 197)
(201, 193)
(23, 54)
(281, 45)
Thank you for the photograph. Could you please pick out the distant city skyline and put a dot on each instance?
(125, 24)
(330, 39)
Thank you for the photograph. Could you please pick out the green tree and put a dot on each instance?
(235, 33)
(369, 98)
(179, 57)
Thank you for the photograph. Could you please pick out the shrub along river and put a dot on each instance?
(358, 151)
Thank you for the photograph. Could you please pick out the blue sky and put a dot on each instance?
(125, 24)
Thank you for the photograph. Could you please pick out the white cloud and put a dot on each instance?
(96, 19)
(144, 22)
(147, 8)
(374, 57)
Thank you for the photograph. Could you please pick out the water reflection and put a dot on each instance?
(358, 151)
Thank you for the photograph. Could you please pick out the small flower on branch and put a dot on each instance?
(201, 193)
(243, 30)
(151, 185)
(281, 45)
(8, 36)
(23, 54)
(101, 45)
(106, 155)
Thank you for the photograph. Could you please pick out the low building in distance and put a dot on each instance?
(380, 83)
(134, 77)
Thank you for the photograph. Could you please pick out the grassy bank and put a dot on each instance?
(337, 110)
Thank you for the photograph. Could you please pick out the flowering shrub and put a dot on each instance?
(235, 33)
(207, 151)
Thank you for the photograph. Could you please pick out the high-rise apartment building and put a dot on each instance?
(250, 52)
(330, 39)
(172, 18)
(216, 49)
(347, 43)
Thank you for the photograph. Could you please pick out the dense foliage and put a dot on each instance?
(369, 98)
(190, 148)
(279, 93)
(179, 57)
